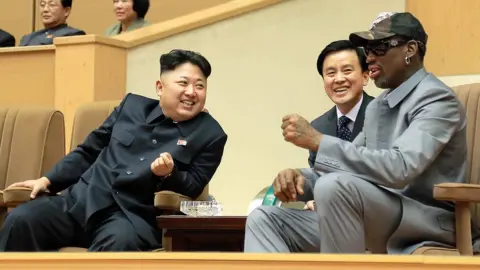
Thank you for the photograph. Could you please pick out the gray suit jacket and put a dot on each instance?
(413, 138)
(46, 36)
(327, 123)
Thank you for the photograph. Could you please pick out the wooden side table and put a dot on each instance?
(217, 233)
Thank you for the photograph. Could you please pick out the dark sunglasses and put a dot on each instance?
(382, 47)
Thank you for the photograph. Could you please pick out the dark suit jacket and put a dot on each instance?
(46, 36)
(327, 123)
(111, 168)
(6, 39)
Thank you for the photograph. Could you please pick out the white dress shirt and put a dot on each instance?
(352, 114)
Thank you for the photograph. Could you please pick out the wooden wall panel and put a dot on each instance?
(16, 17)
(28, 76)
(453, 27)
(87, 69)
(94, 16)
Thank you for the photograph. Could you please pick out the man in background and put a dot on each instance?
(54, 14)
(344, 71)
(6, 39)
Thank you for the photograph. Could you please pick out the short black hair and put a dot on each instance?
(170, 61)
(141, 7)
(67, 3)
(341, 45)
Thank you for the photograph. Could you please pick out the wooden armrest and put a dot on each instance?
(462, 194)
(457, 192)
(169, 200)
(16, 195)
(165, 200)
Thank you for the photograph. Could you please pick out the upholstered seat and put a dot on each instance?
(465, 196)
(32, 139)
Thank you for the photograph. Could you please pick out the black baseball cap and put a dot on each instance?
(389, 24)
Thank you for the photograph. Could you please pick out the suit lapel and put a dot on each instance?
(357, 127)
(331, 125)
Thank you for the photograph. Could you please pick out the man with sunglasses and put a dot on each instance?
(375, 193)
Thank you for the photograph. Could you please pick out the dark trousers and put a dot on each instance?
(44, 225)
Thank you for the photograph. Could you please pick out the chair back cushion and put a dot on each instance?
(88, 117)
(32, 140)
(469, 95)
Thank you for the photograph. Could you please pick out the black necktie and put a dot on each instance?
(344, 132)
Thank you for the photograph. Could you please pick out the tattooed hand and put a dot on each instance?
(297, 130)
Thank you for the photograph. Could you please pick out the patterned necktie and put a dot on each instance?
(344, 132)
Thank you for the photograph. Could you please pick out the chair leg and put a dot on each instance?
(463, 228)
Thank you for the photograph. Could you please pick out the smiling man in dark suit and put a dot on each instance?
(110, 179)
(344, 70)
(54, 14)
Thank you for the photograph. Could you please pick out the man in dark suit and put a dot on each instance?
(110, 179)
(54, 15)
(6, 39)
(337, 64)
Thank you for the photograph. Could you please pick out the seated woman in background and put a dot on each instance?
(130, 15)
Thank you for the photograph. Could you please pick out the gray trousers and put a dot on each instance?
(351, 215)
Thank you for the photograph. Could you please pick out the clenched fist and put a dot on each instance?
(163, 165)
(297, 130)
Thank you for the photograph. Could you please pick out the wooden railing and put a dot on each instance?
(231, 261)
(27, 76)
(193, 20)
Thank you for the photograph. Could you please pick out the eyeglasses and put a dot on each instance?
(48, 4)
(382, 47)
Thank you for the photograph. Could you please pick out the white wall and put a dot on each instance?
(460, 79)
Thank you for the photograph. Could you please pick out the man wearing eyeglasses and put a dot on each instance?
(54, 15)
(375, 193)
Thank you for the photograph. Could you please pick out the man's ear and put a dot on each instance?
(67, 11)
(366, 77)
(412, 48)
(159, 87)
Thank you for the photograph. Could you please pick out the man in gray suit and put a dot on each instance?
(343, 68)
(376, 192)
(54, 15)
